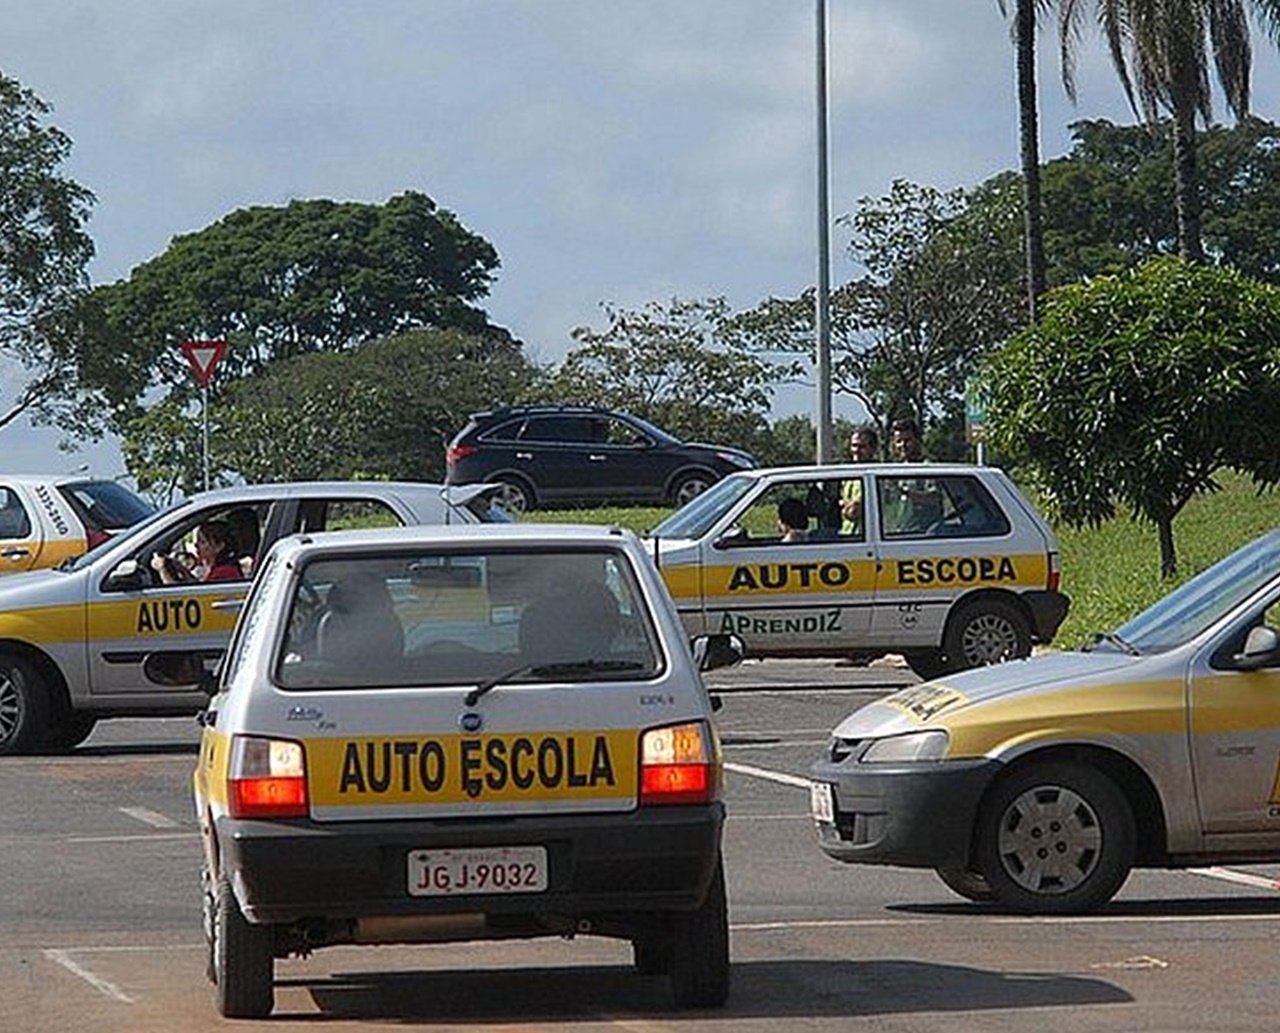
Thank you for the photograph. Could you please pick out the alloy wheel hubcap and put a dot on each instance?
(690, 489)
(989, 639)
(1050, 840)
(10, 705)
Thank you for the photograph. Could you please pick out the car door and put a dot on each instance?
(20, 536)
(1234, 721)
(809, 594)
(566, 463)
(623, 462)
(939, 536)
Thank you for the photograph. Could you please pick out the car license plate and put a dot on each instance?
(821, 803)
(508, 869)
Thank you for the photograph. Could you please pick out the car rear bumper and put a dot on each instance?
(650, 860)
(916, 815)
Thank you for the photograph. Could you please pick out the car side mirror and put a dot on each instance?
(732, 538)
(713, 651)
(180, 670)
(1261, 649)
(127, 576)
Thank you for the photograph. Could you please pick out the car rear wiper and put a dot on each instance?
(1112, 639)
(562, 667)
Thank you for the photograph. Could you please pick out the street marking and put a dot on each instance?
(149, 817)
(798, 816)
(771, 776)
(1241, 878)
(150, 838)
(735, 745)
(1141, 961)
(104, 986)
(861, 923)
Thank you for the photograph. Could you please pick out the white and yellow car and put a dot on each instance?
(948, 565)
(48, 519)
(73, 639)
(1040, 784)
(449, 734)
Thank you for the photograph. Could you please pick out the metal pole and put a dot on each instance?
(822, 302)
(204, 406)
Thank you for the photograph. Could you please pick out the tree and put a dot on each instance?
(44, 250)
(1160, 50)
(276, 283)
(386, 409)
(681, 365)
(1024, 41)
(1135, 389)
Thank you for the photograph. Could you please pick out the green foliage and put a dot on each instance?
(1136, 389)
(386, 409)
(44, 250)
(278, 283)
(680, 365)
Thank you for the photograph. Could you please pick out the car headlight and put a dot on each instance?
(918, 746)
(737, 459)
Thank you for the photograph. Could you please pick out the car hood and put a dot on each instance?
(747, 456)
(40, 588)
(931, 703)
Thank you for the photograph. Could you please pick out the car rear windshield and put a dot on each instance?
(106, 505)
(466, 618)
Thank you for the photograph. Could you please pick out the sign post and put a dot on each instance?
(203, 357)
(975, 419)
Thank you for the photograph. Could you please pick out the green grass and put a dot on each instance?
(1111, 572)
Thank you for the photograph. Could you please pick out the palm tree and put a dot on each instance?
(1161, 52)
(1024, 40)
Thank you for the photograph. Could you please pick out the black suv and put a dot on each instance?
(573, 454)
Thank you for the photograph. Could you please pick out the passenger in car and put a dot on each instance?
(793, 520)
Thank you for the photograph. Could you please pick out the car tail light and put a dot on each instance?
(267, 779)
(94, 537)
(1055, 572)
(454, 453)
(679, 764)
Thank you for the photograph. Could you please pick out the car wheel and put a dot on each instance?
(967, 884)
(244, 965)
(699, 956)
(24, 706)
(1055, 838)
(689, 486)
(513, 495)
(986, 631)
(70, 732)
(928, 663)
(651, 954)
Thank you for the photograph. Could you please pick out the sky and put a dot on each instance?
(613, 151)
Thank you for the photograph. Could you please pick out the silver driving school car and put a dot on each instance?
(450, 734)
(1039, 784)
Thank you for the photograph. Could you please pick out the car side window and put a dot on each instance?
(14, 520)
(938, 507)
(346, 515)
(794, 512)
(508, 431)
(558, 430)
(622, 435)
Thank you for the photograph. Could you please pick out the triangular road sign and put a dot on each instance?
(204, 357)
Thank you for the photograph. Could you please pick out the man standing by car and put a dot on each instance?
(905, 441)
(863, 445)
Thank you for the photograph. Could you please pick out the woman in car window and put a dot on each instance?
(216, 558)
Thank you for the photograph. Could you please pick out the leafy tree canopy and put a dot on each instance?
(1136, 388)
(681, 365)
(385, 410)
(43, 251)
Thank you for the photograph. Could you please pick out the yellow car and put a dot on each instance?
(45, 520)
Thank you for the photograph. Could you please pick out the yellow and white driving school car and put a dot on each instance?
(1039, 784)
(947, 564)
(449, 734)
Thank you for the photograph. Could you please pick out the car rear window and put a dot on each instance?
(466, 617)
(106, 505)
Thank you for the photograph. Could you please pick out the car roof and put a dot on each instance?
(854, 469)
(31, 479)
(306, 489)
(451, 534)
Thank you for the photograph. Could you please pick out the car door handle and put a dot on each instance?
(232, 605)
(15, 553)
(524, 455)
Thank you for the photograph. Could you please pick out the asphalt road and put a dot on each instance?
(99, 920)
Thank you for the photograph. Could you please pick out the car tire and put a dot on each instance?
(929, 663)
(514, 494)
(988, 630)
(689, 486)
(244, 964)
(651, 955)
(1055, 838)
(24, 706)
(70, 732)
(967, 884)
(208, 916)
(699, 951)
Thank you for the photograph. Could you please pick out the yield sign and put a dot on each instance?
(204, 357)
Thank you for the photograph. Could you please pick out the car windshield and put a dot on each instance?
(1195, 606)
(479, 617)
(132, 535)
(697, 517)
